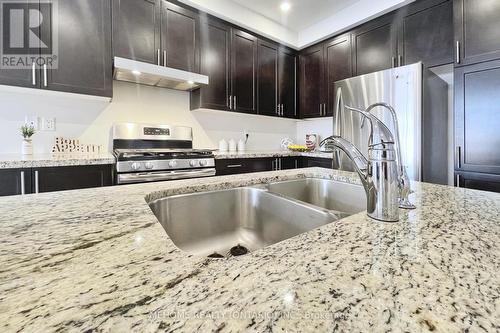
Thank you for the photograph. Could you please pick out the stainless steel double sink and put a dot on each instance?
(235, 221)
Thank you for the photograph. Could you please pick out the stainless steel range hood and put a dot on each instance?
(159, 76)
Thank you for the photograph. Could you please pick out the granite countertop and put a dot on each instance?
(98, 260)
(269, 153)
(8, 161)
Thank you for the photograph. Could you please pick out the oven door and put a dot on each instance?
(143, 177)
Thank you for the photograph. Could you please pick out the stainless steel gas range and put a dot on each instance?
(147, 153)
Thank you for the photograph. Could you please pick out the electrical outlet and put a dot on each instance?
(32, 121)
(48, 124)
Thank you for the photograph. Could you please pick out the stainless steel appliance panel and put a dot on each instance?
(399, 87)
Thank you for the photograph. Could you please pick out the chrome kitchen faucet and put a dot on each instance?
(382, 174)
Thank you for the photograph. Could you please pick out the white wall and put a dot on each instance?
(321, 126)
(90, 120)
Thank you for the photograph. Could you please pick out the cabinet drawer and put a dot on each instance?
(242, 165)
(478, 181)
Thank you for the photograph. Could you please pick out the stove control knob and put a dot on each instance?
(136, 166)
(172, 163)
(203, 163)
(193, 163)
(149, 165)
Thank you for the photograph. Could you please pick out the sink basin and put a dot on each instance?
(324, 193)
(216, 223)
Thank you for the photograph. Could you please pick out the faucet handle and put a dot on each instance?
(379, 133)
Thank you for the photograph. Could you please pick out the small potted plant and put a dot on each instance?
(27, 132)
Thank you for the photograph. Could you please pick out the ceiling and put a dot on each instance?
(302, 14)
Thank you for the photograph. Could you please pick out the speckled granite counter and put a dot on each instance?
(8, 161)
(269, 153)
(98, 260)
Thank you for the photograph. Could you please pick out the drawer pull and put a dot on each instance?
(234, 166)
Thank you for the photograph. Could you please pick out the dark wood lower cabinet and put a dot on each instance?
(72, 177)
(37, 180)
(15, 181)
(242, 165)
(478, 181)
(246, 165)
(309, 162)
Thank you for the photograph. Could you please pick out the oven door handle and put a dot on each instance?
(142, 177)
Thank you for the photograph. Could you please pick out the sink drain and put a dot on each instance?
(238, 250)
(215, 255)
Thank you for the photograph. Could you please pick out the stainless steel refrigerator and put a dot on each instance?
(421, 103)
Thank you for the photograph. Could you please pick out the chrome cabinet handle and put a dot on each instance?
(165, 58)
(458, 52)
(400, 60)
(230, 102)
(234, 103)
(234, 166)
(280, 163)
(277, 109)
(459, 157)
(320, 109)
(458, 180)
(158, 56)
(23, 191)
(36, 182)
(281, 113)
(296, 163)
(45, 75)
(33, 74)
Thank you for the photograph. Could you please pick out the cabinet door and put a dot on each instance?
(215, 39)
(179, 38)
(375, 46)
(84, 43)
(267, 86)
(477, 117)
(477, 30)
(243, 72)
(478, 181)
(309, 162)
(287, 78)
(15, 181)
(291, 162)
(71, 177)
(427, 34)
(338, 59)
(136, 30)
(19, 77)
(311, 81)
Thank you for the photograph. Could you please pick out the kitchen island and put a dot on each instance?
(98, 260)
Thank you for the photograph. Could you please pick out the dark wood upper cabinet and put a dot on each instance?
(477, 117)
(338, 63)
(477, 30)
(427, 33)
(376, 45)
(311, 86)
(84, 49)
(215, 39)
(179, 37)
(267, 83)
(287, 78)
(136, 30)
(243, 71)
